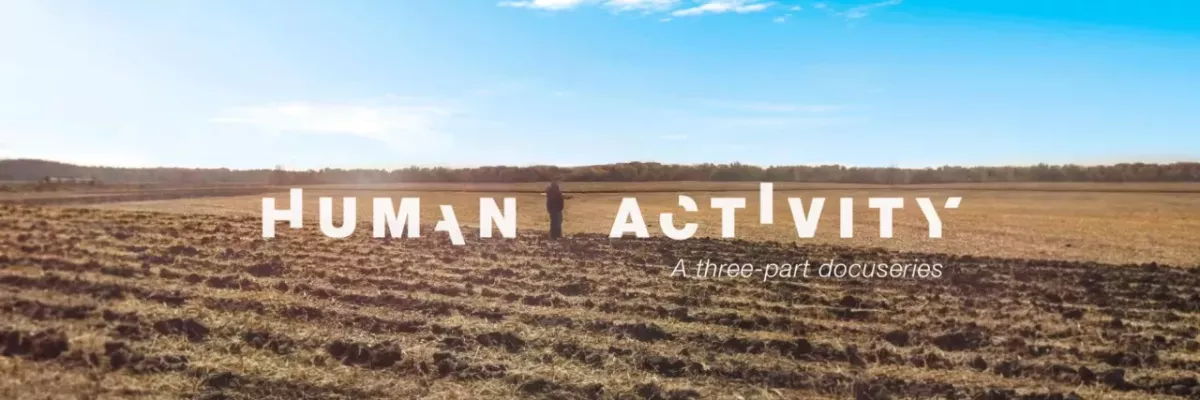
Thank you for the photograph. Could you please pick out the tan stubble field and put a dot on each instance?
(1090, 223)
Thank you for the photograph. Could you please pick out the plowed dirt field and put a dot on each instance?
(120, 304)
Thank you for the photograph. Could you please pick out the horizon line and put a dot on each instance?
(569, 166)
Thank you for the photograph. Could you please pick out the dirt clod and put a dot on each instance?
(190, 328)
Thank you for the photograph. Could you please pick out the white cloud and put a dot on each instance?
(765, 114)
(782, 18)
(552, 5)
(786, 107)
(503, 88)
(670, 7)
(409, 125)
(820, 6)
(795, 8)
(864, 10)
(616, 5)
(641, 5)
(724, 6)
(773, 107)
(776, 122)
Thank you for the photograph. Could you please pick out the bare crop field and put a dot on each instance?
(709, 186)
(1044, 294)
(1110, 223)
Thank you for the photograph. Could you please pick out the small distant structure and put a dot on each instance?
(69, 179)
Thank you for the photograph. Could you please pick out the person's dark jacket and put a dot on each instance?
(554, 199)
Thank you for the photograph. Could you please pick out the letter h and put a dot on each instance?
(293, 215)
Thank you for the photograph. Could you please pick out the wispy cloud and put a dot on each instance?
(768, 114)
(641, 5)
(552, 5)
(724, 6)
(788, 107)
(391, 124)
(615, 5)
(778, 122)
(865, 9)
(503, 88)
(773, 107)
(671, 9)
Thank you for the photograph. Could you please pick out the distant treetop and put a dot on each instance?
(33, 170)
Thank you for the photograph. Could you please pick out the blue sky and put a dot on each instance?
(383, 84)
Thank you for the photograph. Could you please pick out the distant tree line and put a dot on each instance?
(34, 170)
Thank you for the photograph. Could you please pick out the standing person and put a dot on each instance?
(554, 206)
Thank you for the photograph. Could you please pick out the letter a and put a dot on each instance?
(449, 224)
(629, 219)
(680, 268)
